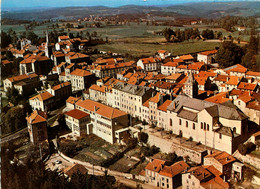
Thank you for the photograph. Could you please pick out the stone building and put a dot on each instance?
(37, 126)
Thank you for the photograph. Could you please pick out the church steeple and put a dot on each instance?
(47, 44)
(191, 86)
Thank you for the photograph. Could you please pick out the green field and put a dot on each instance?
(138, 49)
(115, 32)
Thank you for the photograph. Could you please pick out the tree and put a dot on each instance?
(168, 32)
(229, 54)
(242, 149)
(143, 137)
(12, 95)
(32, 37)
(171, 157)
(13, 120)
(208, 34)
(5, 39)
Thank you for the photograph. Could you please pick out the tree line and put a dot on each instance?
(189, 33)
(230, 54)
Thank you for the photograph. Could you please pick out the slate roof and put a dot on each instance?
(219, 110)
(132, 89)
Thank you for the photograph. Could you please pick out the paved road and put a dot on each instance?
(131, 183)
(13, 136)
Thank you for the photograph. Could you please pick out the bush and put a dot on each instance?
(242, 149)
(143, 137)
(246, 148)
(149, 151)
(250, 146)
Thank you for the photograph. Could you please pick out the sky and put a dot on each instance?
(109, 3)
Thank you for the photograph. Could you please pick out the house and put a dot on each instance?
(43, 101)
(218, 126)
(98, 93)
(37, 64)
(169, 68)
(163, 54)
(79, 57)
(186, 58)
(236, 70)
(222, 161)
(203, 177)
(37, 126)
(25, 83)
(252, 87)
(63, 38)
(77, 121)
(71, 101)
(175, 78)
(159, 174)
(152, 170)
(150, 64)
(208, 57)
(171, 176)
(81, 79)
(58, 57)
(61, 91)
(24, 42)
(130, 98)
(162, 115)
(105, 120)
(74, 169)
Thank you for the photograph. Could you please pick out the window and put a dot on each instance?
(170, 122)
(220, 136)
(179, 121)
(208, 127)
(204, 126)
(194, 126)
(187, 124)
(167, 185)
(238, 102)
(167, 180)
(201, 124)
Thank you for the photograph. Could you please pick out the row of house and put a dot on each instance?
(218, 168)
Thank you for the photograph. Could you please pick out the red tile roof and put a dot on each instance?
(247, 86)
(37, 116)
(42, 96)
(101, 109)
(208, 52)
(155, 165)
(59, 86)
(218, 98)
(72, 99)
(171, 64)
(186, 57)
(22, 77)
(80, 72)
(175, 169)
(222, 157)
(64, 37)
(77, 114)
(165, 105)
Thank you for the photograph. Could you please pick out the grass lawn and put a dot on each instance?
(4, 101)
(139, 49)
(97, 151)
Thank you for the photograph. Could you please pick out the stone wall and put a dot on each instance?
(251, 160)
(195, 156)
(173, 145)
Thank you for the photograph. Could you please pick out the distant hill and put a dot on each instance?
(200, 9)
